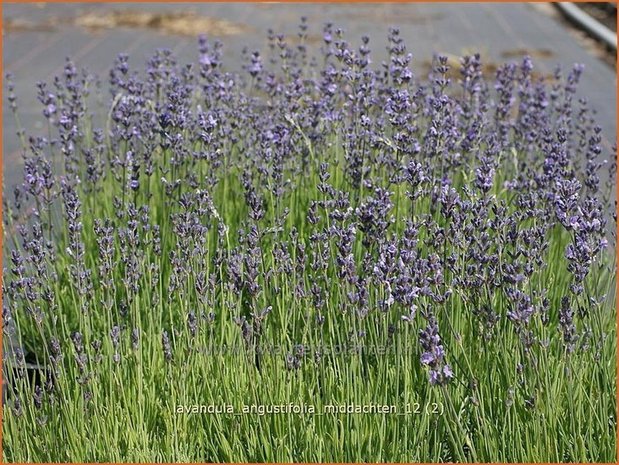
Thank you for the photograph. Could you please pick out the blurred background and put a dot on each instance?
(37, 38)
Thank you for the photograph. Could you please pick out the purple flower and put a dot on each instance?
(433, 355)
(167, 347)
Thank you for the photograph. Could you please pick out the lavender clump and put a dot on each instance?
(304, 203)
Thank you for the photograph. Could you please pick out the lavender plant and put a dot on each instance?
(314, 231)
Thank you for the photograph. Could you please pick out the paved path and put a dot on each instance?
(499, 31)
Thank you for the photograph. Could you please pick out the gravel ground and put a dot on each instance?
(604, 12)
